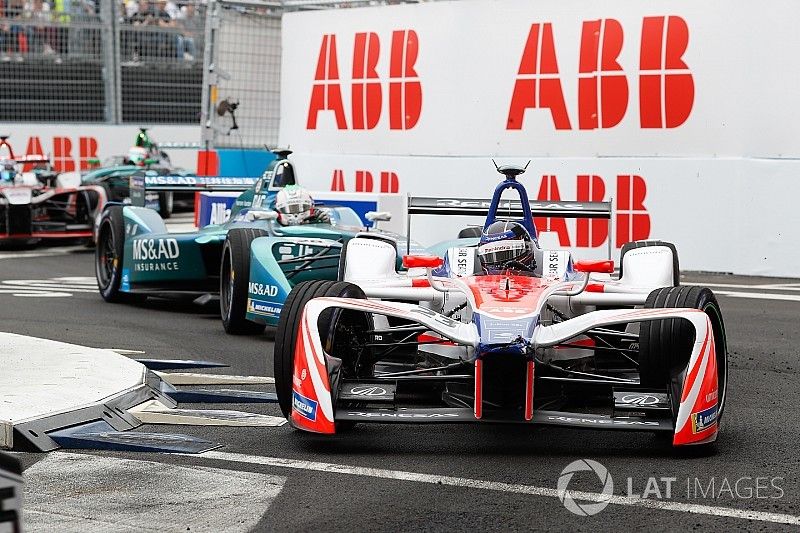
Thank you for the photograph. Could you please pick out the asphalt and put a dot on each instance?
(759, 437)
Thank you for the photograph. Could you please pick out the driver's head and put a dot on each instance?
(506, 245)
(137, 155)
(294, 205)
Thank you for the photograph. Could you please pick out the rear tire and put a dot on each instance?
(336, 328)
(470, 232)
(665, 345)
(628, 246)
(234, 277)
(165, 204)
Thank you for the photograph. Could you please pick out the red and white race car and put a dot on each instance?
(35, 204)
(500, 330)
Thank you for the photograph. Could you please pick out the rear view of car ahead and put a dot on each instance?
(35, 205)
(505, 332)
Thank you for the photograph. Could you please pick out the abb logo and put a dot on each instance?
(666, 86)
(364, 181)
(632, 220)
(366, 86)
(62, 152)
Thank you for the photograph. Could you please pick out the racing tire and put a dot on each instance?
(165, 204)
(628, 246)
(335, 328)
(108, 257)
(234, 276)
(470, 232)
(665, 345)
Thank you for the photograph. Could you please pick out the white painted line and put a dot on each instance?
(154, 412)
(193, 378)
(771, 286)
(47, 253)
(663, 505)
(92, 493)
(760, 296)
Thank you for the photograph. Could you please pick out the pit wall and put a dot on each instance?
(661, 107)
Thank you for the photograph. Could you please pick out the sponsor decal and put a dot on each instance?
(197, 180)
(703, 420)
(219, 213)
(262, 289)
(367, 390)
(305, 407)
(602, 421)
(465, 262)
(712, 396)
(155, 255)
(259, 307)
(639, 399)
(125, 284)
(389, 414)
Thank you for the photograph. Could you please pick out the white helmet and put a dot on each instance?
(137, 155)
(294, 204)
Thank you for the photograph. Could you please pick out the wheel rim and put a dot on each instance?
(107, 257)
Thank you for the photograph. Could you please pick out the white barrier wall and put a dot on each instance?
(70, 146)
(685, 114)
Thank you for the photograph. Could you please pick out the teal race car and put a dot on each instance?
(136, 256)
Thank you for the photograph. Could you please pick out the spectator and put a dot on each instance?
(10, 33)
(168, 42)
(40, 34)
(140, 41)
(191, 26)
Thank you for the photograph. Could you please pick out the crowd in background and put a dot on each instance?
(179, 23)
(56, 29)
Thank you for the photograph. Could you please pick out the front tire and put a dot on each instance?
(109, 255)
(338, 330)
(666, 345)
(234, 277)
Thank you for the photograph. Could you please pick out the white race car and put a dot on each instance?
(500, 330)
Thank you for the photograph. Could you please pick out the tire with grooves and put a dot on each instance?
(289, 324)
(665, 345)
(234, 276)
(108, 257)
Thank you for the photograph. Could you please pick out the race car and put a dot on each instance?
(504, 331)
(145, 157)
(36, 205)
(137, 257)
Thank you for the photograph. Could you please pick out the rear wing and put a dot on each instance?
(424, 205)
(139, 185)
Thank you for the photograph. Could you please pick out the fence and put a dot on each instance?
(210, 62)
(101, 62)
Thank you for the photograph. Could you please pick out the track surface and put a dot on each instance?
(759, 440)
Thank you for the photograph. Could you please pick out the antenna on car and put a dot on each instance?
(526, 165)
(495, 164)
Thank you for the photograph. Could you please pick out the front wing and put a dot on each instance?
(314, 405)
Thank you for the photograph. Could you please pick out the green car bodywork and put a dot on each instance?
(150, 260)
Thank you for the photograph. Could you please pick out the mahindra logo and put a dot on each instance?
(640, 399)
(368, 391)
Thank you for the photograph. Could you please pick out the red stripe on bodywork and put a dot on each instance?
(529, 392)
(478, 388)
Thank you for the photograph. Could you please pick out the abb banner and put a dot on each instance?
(662, 107)
(72, 147)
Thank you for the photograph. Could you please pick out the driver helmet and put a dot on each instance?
(137, 155)
(504, 245)
(294, 205)
(7, 172)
